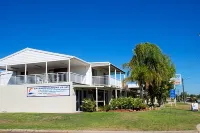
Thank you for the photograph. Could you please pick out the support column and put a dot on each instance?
(69, 71)
(82, 97)
(120, 78)
(109, 75)
(109, 96)
(115, 77)
(104, 97)
(96, 99)
(116, 93)
(78, 91)
(25, 74)
(46, 71)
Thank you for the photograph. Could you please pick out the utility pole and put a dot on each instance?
(183, 90)
(178, 96)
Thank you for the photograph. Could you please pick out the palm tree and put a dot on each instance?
(149, 67)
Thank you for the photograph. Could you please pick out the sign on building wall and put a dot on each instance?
(48, 91)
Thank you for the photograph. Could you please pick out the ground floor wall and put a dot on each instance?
(14, 98)
(101, 95)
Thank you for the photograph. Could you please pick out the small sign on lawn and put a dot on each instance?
(195, 106)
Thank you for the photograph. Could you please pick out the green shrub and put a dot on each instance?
(101, 108)
(127, 103)
(107, 108)
(88, 105)
(113, 104)
(143, 106)
(137, 103)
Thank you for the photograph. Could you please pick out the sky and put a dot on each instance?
(106, 30)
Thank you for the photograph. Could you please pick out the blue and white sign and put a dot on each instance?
(172, 93)
(48, 91)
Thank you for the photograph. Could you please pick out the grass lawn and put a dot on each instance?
(168, 118)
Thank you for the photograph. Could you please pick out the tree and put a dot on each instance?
(198, 96)
(183, 94)
(151, 69)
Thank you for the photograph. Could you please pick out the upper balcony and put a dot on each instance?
(64, 77)
(31, 66)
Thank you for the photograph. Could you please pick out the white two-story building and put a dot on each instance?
(39, 81)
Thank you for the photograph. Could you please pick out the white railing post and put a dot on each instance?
(15, 79)
(35, 79)
(120, 77)
(115, 77)
(69, 71)
(66, 76)
(109, 75)
(6, 68)
(57, 77)
(25, 75)
(99, 80)
(46, 72)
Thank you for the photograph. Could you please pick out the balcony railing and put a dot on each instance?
(63, 77)
(100, 80)
(49, 78)
(104, 80)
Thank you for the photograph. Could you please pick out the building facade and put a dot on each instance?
(39, 81)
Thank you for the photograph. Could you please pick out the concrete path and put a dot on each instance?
(67, 131)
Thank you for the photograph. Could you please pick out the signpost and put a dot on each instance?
(172, 94)
(177, 81)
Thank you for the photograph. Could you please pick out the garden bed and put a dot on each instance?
(130, 110)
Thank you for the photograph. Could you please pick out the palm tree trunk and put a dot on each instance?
(141, 92)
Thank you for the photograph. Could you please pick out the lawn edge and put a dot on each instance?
(87, 131)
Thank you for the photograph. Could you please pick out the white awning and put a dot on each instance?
(105, 64)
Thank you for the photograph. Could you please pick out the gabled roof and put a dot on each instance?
(29, 55)
(103, 64)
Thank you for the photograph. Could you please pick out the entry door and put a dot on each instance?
(80, 95)
(78, 100)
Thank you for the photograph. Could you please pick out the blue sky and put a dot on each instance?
(106, 30)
